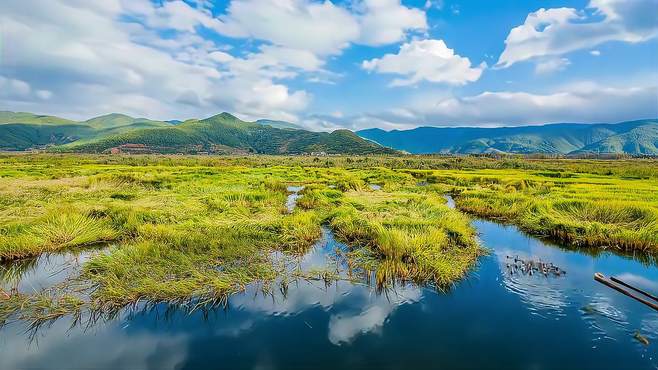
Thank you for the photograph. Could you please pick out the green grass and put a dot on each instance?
(57, 230)
(181, 228)
(585, 210)
(409, 236)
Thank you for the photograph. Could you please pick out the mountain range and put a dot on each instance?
(222, 134)
(632, 137)
(226, 134)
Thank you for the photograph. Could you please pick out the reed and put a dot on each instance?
(185, 228)
(410, 237)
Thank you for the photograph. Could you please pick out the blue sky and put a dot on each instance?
(334, 64)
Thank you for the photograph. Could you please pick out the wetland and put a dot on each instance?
(291, 262)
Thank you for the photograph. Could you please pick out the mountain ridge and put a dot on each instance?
(222, 133)
(555, 138)
(226, 133)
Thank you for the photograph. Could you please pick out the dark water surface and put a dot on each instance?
(492, 320)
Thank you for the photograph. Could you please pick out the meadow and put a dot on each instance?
(199, 228)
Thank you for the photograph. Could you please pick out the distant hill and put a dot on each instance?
(279, 124)
(633, 137)
(223, 133)
(21, 130)
(24, 117)
(639, 140)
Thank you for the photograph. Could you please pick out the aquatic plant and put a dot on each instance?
(197, 229)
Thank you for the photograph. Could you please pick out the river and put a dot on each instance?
(492, 319)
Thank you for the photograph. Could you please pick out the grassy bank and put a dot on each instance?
(579, 209)
(178, 229)
(182, 228)
(408, 235)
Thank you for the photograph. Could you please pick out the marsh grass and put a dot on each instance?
(59, 229)
(584, 211)
(194, 230)
(410, 237)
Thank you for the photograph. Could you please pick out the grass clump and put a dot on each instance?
(187, 228)
(57, 230)
(583, 211)
(410, 237)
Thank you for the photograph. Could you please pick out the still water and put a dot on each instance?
(493, 319)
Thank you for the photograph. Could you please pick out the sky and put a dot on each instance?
(334, 64)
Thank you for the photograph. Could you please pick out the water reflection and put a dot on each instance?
(518, 322)
(543, 295)
(35, 274)
(603, 317)
(355, 308)
(291, 201)
(345, 326)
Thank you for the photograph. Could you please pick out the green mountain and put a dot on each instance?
(225, 133)
(279, 124)
(633, 137)
(24, 117)
(21, 131)
(639, 140)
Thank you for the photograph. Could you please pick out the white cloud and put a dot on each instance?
(321, 28)
(220, 56)
(14, 88)
(584, 102)
(557, 31)
(387, 21)
(20, 91)
(551, 65)
(81, 59)
(176, 15)
(426, 60)
(260, 98)
(587, 102)
(595, 53)
(344, 327)
(44, 94)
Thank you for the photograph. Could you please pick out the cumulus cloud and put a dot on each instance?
(557, 31)
(80, 58)
(320, 27)
(323, 28)
(18, 91)
(387, 21)
(585, 102)
(13, 88)
(551, 65)
(177, 15)
(426, 60)
(83, 58)
(590, 103)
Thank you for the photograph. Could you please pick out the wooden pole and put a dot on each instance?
(605, 281)
(634, 288)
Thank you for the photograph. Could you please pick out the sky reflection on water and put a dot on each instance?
(490, 320)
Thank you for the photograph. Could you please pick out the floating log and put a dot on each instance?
(618, 287)
(647, 294)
